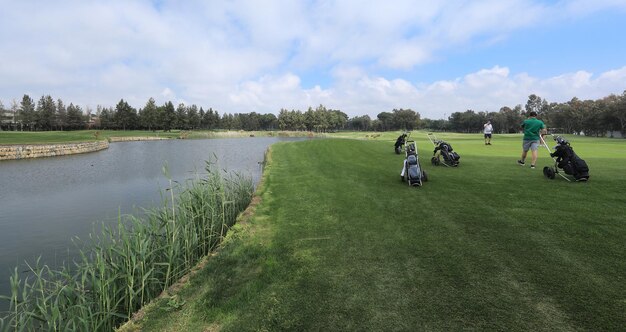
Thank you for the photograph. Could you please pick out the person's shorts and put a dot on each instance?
(487, 135)
(530, 145)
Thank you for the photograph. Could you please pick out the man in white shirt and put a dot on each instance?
(488, 129)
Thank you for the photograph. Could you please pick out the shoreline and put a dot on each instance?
(29, 151)
(136, 138)
(242, 222)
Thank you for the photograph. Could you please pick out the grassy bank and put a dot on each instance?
(338, 243)
(52, 137)
(121, 268)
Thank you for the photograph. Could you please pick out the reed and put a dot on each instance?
(124, 266)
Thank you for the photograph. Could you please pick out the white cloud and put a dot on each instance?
(168, 94)
(487, 77)
(484, 90)
(463, 20)
(406, 55)
(240, 56)
(583, 7)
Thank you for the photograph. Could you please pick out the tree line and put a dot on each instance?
(592, 117)
(49, 114)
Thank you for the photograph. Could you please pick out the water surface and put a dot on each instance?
(46, 202)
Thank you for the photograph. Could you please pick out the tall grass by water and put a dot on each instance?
(124, 266)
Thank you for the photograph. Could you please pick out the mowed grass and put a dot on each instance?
(338, 243)
(60, 137)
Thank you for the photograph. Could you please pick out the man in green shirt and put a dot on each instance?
(534, 129)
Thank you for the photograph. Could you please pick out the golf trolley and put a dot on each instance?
(400, 142)
(566, 160)
(412, 172)
(443, 153)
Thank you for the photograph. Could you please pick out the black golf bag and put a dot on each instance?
(443, 153)
(567, 160)
(399, 143)
(414, 175)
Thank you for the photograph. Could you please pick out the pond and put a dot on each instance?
(45, 203)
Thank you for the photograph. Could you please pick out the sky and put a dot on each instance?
(362, 57)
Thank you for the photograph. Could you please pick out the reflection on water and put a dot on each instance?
(46, 202)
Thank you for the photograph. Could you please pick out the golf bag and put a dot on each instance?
(400, 142)
(412, 172)
(443, 153)
(567, 160)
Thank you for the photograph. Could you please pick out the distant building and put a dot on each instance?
(556, 131)
(93, 121)
(614, 134)
(7, 116)
(7, 120)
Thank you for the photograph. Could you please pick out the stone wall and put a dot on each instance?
(8, 152)
(138, 138)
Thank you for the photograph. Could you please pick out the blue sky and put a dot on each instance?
(361, 57)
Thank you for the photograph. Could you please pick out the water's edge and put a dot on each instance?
(14, 152)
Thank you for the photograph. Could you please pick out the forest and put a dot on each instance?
(599, 117)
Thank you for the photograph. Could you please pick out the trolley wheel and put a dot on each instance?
(424, 176)
(549, 172)
(434, 161)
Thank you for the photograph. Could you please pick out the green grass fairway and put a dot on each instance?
(58, 137)
(338, 243)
